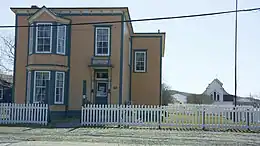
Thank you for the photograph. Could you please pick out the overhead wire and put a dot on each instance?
(144, 19)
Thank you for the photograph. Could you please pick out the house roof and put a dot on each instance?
(33, 10)
(49, 12)
(5, 83)
(218, 81)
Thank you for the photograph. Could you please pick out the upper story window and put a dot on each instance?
(102, 44)
(43, 38)
(140, 61)
(31, 39)
(130, 53)
(61, 39)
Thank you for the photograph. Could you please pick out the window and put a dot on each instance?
(41, 79)
(31, 39)
(129, 51)
(59, 87)
(1, 93)
(140, 61)
(215, 96)
(102, 46)
(44, 38)
(28, 87)
(61, 39)
(101, 75)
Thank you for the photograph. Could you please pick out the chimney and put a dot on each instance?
(158, 30)
(34, 7)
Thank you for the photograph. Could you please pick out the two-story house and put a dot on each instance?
(67, 56)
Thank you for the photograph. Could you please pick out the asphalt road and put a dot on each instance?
(19, 136)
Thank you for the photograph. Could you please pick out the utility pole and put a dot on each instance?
(235, 100)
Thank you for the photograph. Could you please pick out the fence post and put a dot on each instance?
(247, 120)
(234, 114)
(118, 116)
(203, 118)
(160, 116)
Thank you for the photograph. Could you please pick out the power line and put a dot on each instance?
(145, 19)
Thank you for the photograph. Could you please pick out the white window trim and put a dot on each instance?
(29, 86)
(62, 102)
(108, 51)
(34, 85)
(36, 36)
(65, 40)
(145, 61)
(31, 37)
(2, 93)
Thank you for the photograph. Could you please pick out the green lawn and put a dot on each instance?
(195, 120)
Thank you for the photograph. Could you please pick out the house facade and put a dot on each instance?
(5, 91)
(218, 94)
(67, 57)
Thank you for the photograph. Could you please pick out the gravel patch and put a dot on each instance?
(131, 136)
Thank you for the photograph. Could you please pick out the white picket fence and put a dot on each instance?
(12, 113)
(176, 116)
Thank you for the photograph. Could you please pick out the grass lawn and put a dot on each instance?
(195, 120)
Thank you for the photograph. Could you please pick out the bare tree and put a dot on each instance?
(167, 95)
(7, 48)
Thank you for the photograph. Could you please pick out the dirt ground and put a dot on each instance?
(22, 136)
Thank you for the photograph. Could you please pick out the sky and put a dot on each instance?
(197, 49)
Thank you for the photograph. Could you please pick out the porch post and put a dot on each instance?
(109, 85)
(92, 86)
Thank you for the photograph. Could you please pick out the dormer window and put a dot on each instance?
(44, 38)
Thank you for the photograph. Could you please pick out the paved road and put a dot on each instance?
(120, 137)
(50, 143)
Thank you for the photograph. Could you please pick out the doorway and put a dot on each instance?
(101, 92)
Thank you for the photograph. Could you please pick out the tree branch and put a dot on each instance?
(6, 53)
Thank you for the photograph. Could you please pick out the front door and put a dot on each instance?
(101, 92)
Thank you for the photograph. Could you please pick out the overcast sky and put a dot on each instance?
(197, 49)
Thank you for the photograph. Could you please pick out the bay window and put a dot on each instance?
(44, 38)
(59, 87)
(41, 79)
(31, 36)
(28, 86)
(61, 39)
(102, 43)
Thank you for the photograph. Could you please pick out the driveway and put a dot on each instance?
(19, 136)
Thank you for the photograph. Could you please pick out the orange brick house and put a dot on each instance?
(67, 56)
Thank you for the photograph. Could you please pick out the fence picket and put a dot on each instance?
(177, 116)
(13, 113)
